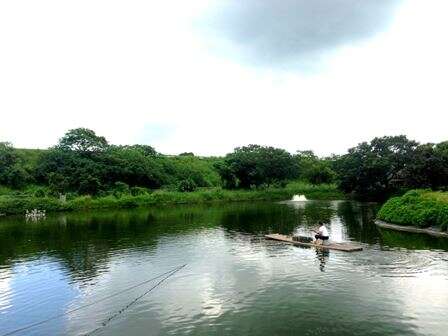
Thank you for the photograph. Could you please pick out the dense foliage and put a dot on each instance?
(389, 165)
(13, 172)
(420, 208)
(313, 169)
(124, 198)
(83, 163)
(253, 166)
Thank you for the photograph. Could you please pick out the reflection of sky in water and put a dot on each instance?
(334, 225)
(36, 289)
(236, 282)
(5, 290)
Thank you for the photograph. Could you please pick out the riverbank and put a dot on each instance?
(18, 204)
(421, 209)
(412, 229)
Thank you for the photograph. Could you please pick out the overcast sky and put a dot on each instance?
(209, 75)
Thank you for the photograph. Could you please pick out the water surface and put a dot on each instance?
(234, 282)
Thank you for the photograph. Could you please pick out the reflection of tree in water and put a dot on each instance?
(358, 219)
(414, 241)
(84, 242)
(258, 218)
(322, 256)
(262, 218)
(313, 212)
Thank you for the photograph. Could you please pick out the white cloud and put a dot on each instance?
(123, 68)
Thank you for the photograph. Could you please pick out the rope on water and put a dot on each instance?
(122, 310)
(32, 325)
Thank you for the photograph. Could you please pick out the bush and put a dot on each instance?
(187, 185)
(57, 183)
(39, 193)
(128, 202)
(17, 205)
(420, 208)
(120, 189)
(138, 191)
(89, 185)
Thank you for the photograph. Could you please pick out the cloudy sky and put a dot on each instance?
(209, 75)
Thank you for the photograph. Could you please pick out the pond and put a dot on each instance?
(93, 273)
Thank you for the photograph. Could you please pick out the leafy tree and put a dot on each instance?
(229, 179)
(372, 169)
(58, 183)
(82, 140)
(144, 149)
(12, 172)
(187, 185)
(427, 169)
(133, 166)
(8, 157)
(305, 160)
(89, 185)
(314, 169)
(198, 169)
(120, 188)
(320, 173)
(255, 165)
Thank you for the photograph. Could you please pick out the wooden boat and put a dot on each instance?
(346, 247)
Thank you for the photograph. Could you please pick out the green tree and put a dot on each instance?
(187, 185)
(82, 140)
(305, 160)
(427, 169)
(58, 183)
(12, 171)
(320, 173)
(373, 169)
(89, 185)
(255, 165)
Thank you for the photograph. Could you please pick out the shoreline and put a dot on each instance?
(18, 205)
(412, 229)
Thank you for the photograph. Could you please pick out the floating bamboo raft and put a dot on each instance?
(346, 247)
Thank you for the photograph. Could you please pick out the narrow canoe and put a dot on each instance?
(346, 247)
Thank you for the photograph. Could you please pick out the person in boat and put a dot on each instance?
(321, 233)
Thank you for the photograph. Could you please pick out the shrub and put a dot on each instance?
(138, 191)
(421, 208)
(57, 183)
(39, 193)
(16, 205)
(89, 185)
(187, 185)
(120, 188)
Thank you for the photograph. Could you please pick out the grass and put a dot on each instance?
(421, 208)
(16, 204)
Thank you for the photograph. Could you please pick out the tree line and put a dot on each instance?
(84, 163)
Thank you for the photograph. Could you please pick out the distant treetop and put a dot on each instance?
(82, 140)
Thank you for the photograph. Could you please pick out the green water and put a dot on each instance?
(234, 282)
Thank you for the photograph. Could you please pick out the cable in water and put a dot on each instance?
(108, 320)
(32, 325)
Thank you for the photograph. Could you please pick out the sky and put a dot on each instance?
(206, 76)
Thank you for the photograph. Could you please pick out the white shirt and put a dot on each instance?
(323, 231)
